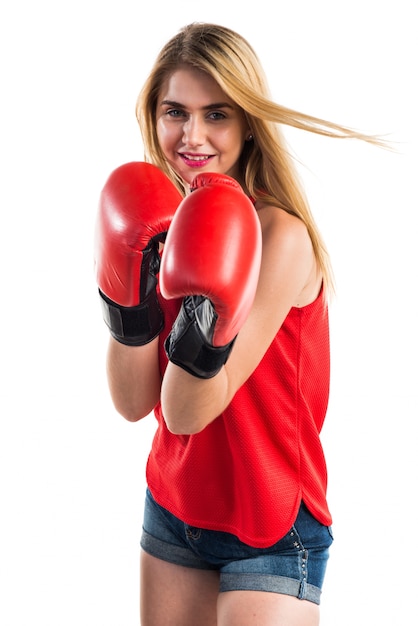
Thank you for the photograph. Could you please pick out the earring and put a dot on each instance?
(250, 138)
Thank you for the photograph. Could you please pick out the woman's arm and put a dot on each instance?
(288, 277)
(136, 208)
(134, 378)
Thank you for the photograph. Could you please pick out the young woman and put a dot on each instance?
(236, 526)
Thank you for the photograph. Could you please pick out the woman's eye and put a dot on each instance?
(217, 115)
(174, 113)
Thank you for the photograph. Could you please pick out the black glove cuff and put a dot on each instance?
(133, 326)
(186, 347)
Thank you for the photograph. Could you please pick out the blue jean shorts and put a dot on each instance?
(294, 566)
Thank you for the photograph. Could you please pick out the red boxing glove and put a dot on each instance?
(211, 258)
(136, 207)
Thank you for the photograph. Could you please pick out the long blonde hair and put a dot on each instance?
(267, 166)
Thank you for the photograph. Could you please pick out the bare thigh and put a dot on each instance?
(260, 608)
(173, 595)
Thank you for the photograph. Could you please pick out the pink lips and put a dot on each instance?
(195, 160)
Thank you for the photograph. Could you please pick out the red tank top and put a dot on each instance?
(247, 472)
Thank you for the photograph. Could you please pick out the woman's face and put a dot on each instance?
(199, 128)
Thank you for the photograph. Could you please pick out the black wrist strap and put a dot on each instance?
(186, 347)
(133, 326)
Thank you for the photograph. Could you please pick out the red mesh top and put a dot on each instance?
(248, 470)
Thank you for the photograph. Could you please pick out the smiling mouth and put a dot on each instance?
(195, 160)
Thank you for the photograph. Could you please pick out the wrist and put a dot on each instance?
(133, 326)
(188, 345)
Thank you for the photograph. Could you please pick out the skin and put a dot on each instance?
(201, 129)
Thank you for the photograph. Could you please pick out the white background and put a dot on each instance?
(71, 469)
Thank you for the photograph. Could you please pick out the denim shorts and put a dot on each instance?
(294, 566)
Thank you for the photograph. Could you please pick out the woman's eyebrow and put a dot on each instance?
(208, 107)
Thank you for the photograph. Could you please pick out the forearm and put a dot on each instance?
(189, 403)
(134, 378)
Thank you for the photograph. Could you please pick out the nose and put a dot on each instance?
(194, 132)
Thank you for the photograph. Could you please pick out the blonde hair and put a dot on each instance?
(267, 166)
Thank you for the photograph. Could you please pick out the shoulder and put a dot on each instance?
(288, 255)
(280, 227)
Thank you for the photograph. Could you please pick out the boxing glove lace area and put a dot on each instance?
(190, 343)
(140, 324)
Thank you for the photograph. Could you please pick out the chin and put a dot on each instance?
(189, 178)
